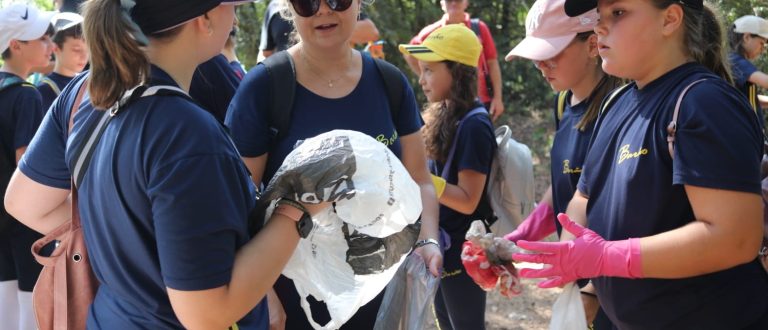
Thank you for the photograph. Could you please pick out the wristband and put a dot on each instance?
(425, 242)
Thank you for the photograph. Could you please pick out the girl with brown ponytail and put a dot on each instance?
(165, 200)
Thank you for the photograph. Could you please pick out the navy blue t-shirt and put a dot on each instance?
(475, 148)
(742, 69)
(569, 148)
(635, 189)
(20, 115)
(365, 109)
(163, 204)
(47, 91)
(213, 86)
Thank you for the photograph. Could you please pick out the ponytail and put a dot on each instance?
(117, 61)
(704, 37)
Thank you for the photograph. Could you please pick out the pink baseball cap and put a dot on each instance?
(548, 30)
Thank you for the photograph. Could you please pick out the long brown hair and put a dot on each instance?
(442, 117)
(117, 61)
(704, 37)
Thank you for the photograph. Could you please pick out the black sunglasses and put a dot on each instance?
(308, 8)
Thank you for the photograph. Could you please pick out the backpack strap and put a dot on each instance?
(474, 25)
(449, 160)
(11, 81)
(561, 97)
(672, 127)
(48, 81)
(282, 74)
(393, 83)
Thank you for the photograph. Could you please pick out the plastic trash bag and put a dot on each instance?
(373, 191)
(357, 245)
(407, 301)
(568, 310)
(487, 260)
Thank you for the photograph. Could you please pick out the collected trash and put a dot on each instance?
(488, 260)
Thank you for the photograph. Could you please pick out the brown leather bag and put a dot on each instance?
(66, 285)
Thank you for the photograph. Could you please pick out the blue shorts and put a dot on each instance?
(16, 260)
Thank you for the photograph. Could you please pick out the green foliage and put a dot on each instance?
(249, 31)
(399, 20)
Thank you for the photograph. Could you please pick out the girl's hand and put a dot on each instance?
(587, 256)
(433, 258)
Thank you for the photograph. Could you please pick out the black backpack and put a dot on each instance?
(282, 74)
(7, 154)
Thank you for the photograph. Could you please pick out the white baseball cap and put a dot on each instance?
(24, 22)
(752, 25)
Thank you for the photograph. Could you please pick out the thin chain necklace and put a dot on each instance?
(317, 74)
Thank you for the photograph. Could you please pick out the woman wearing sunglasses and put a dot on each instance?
(337, 88)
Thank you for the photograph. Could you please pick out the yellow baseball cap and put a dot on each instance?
(454, 42)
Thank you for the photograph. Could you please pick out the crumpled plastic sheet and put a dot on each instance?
(488, 261)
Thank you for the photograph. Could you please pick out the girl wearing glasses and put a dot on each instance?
(336, 88)
(747, 38)
(165, 200)
(565, 50)
(674, 226)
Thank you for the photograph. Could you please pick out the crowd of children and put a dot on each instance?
(655, 164)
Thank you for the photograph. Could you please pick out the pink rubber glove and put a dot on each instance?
(587, 256)
(539, 224)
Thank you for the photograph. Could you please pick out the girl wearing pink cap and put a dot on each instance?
(564, 49)
(670, 187)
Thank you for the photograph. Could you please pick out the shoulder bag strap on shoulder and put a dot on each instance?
(449, 160)
(85, 153)
(672, 127)
(282, 74)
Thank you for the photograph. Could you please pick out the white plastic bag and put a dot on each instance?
(568, 310)
(375, 195)
(357, 245)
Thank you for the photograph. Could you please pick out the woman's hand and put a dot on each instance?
(433, 258)
(276, 311)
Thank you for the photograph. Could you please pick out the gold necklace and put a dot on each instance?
(316, 73)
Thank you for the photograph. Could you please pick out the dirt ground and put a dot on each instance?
(532, 309)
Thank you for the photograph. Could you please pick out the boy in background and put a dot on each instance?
(71, 56)
(25, 43)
